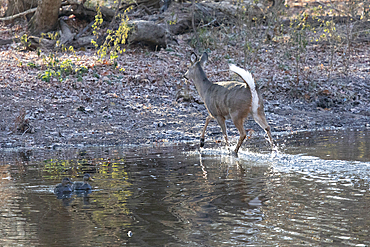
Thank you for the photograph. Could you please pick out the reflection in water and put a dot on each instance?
(178, 196)
(319, 209)
(330, 144)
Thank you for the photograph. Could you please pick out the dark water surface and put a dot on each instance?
(313, 192)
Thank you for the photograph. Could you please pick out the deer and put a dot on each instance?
(228, 99)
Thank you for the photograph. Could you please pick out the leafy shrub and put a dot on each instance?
(113, 39)
(61, 69)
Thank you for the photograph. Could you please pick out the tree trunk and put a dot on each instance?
(45, 18)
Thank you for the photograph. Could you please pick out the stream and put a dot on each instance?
(313, 191)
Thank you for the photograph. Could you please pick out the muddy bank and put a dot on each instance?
(148, 102)
(142, 115)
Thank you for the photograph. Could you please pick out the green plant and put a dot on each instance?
(257, 30)
(24, 41)
(333, 38)
(50, 61)
(32, 65)
(298, 41)
(60, 69)
(114, 38)
(206, 37)
(82, 70)
(209, 37)
(66, 67)
(97, 26)
(174, 19)
(353, 11)
(48, 74)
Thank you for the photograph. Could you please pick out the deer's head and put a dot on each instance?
(196, 66)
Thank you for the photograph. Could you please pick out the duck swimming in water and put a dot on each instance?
(64, 187)
(79, 186)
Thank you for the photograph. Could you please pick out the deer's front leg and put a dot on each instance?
(204, 131)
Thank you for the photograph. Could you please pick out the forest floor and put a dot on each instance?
(145, 100)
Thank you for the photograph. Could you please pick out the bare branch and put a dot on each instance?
(18, 15)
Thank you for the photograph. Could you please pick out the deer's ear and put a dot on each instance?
(204, 59)
(193, 58)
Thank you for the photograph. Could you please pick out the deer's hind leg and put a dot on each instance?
(221, 122)
(238, 122)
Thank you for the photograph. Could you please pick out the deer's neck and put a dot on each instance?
(202, 83)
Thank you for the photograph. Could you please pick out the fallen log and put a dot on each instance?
(40, 42)
(66, 36)
(147, 32)
(156, 30)
(9, 41)
(85, 13)
(18, 15)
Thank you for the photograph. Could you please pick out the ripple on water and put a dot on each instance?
(183, 196)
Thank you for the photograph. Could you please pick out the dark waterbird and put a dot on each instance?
(64, 186)
(83, 185)
(64, 189)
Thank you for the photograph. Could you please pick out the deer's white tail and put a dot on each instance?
(247, 77)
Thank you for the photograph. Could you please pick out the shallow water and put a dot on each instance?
(314, 191)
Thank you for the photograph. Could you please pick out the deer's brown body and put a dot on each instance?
(228, 99)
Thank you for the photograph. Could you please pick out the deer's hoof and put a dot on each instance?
(201, 142)
(234, 154)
